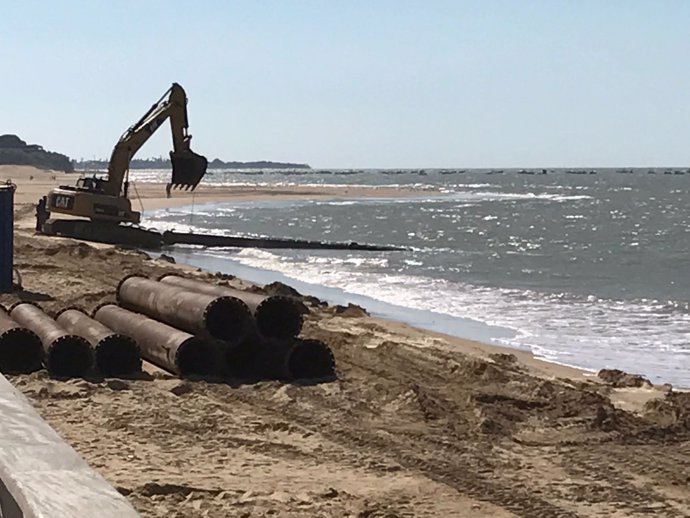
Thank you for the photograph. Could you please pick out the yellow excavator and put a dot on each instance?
(105, 201)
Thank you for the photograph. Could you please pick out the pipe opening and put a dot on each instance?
(228, 319)
(196, 357)
(311, 359)
(240, 360)
(117, 355)
(279, 317)
(20, 351)
(69, 356)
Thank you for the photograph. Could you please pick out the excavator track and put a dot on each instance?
(103, 232)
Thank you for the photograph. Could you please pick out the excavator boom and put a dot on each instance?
(106, 199)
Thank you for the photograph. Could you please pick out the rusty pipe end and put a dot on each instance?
(197, 357)
(69, 308)
(311, 360)
(69, 356)
(117, 355)
(19, 303)
(101, 305)
(21, 351)
(228, 319)
(163, 276)
(122, 281)
(279, 317)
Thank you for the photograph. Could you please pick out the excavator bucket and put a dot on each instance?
(188, 169)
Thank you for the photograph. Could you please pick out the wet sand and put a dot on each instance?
(417, 424)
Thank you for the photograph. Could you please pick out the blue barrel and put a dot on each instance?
(6, 236)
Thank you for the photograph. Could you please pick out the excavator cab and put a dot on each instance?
(188, 168)
(91, 184)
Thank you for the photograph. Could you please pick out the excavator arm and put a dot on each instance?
(105, 200)
(188, 168)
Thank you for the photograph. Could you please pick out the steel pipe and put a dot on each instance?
(65, 354)
(310, 359)
(223, 317)
(276, 316)
(285, 360)
(169, 348)
(171, 238)
(20, 348)
(115, 354)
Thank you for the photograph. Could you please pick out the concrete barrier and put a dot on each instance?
(41, 476)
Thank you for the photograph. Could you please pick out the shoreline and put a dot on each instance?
(463, 332)
(478, 339)
(455, 327)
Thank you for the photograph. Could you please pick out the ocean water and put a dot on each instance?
(584, 268)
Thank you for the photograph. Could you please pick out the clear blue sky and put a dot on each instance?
(358, 83)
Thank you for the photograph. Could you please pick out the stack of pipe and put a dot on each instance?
(219, 316)
(65, 354)
(115, 354)
(276, 316)
(165, 346)
(273, 350)
(21, 350)
(180, 324)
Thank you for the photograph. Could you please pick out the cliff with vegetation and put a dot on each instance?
(164, 163)
(14, 151)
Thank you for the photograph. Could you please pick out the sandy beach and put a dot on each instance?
(417, 424)
(35, 183)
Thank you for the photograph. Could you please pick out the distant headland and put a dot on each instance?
(14, 151)
(164, 163)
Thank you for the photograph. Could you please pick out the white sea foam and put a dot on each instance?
(588, 332)
(492, 195)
